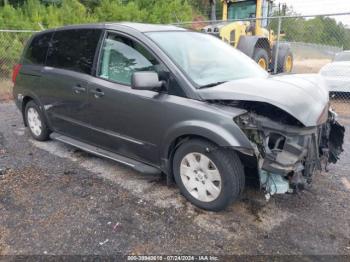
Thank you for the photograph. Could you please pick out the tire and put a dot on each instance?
(261, 55)
(223, 163)
(283, 53)
(283, 64)
(36, 122)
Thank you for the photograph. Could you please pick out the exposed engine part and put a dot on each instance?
(335, 141)
(332, 139)
(289, 154)
(273, 183)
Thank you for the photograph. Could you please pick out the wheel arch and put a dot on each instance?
(178, 141)
(210, 132)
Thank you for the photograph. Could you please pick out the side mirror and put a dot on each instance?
(145, 80)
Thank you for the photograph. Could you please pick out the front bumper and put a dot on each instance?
(287, 155)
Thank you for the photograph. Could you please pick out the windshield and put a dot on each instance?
(205, 59)
(241, 10)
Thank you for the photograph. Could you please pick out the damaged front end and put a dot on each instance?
(287, 152)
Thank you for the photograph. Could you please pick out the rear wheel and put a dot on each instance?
(262, 58)
(209, 177)
(36, 122)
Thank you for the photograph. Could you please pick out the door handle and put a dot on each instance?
(97, 93)
(79, 89)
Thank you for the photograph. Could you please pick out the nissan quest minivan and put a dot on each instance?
(161, 99)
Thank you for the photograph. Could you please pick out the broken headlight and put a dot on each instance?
(244, 120)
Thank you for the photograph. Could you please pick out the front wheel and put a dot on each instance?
(262, 58)
(209, 177)
(284, 59)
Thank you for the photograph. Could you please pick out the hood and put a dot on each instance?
(336, 69)
(302, 96)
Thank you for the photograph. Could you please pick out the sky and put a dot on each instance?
(311, 7)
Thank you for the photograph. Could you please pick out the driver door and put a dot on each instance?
(126, 121)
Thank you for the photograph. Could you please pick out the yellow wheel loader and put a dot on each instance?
(251, 35)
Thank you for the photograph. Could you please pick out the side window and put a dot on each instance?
(121, 57)
(74, 49)
(36, 52)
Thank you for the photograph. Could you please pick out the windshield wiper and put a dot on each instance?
(213, 84)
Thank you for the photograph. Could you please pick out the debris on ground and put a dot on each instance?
(104, 242)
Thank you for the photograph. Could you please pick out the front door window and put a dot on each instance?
(121, 57)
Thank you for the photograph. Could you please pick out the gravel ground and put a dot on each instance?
(55, 199)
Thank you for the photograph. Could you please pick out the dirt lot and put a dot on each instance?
(341, 106)
(55, 199)
(307, 66)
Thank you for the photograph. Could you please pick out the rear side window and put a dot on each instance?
(36, 52)
(74, 49)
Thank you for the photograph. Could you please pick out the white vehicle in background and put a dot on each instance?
(337, 73)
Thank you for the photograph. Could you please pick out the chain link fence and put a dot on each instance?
(293, 44)
(12, 43)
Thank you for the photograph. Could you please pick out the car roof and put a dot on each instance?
(150, 27)
(141, 27)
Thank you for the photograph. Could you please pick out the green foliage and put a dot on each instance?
(11, 18)
(115, 10)
(168, 11)
(11, 46)
(73, 12)
(152, 11)
(33, 14)
(318, 30)
(27, 14)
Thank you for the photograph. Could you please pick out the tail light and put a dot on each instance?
(15, 72)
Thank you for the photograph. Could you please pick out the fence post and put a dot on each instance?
(277, 45)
